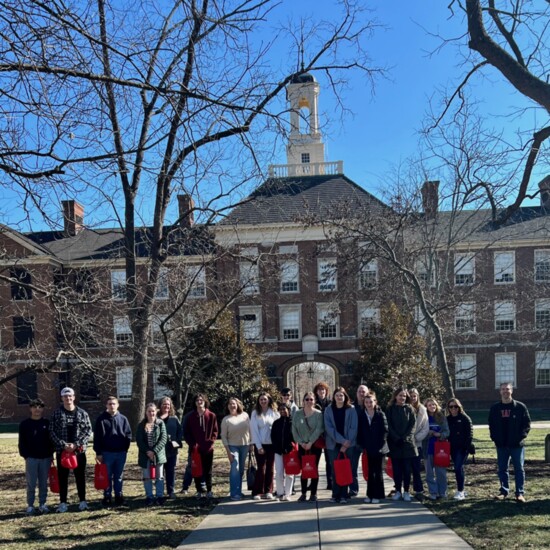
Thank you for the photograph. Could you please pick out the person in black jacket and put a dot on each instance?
(283, 443)
(509, 425)
(36, 448)
(461, 434)
(372, 438)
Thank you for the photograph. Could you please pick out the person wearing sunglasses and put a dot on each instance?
(286, 397)
(461, 434)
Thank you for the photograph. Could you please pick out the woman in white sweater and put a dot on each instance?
(420, 433)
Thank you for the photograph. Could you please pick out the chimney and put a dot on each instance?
(544, 187)
(73, 217)
(430, 198)
(186, 206)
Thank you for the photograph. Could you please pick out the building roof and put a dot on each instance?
(295, 199)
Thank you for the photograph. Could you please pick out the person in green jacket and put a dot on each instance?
(151, 440)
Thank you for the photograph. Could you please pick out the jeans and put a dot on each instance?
(517, 455)
(79, 477)
(283, 482)
(36, 470)
(339, 491)
(416, 466)
(355, 455)
(170, 472)
(239, 453)
(159, 481)
(436, 477)
(459, 458)
(115, 462)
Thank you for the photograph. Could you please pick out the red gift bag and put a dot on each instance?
(53, 479)
(291, 462)
(309, 467)
(152, 470)
(365, 465)
(342, 470)
(196, 463)
(320, 442)
(389, 467)
(69, 460)
(442, 454)
(101, 477)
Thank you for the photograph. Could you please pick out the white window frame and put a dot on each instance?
(466, 371)
(124, 381)
(328, 318)
(542, 369)
(465, 318)
(121, 326)
(195, 277)
(162, 291)
(249, 277)
(507, 371)
(368, 319)
(464, 269)
(327, 274)
(118, 284)
(290, 276)
(159, 391)
(542, 314)
(425, 271)
(368, 274)
(289, 313)
(252, 330)
(542, 266)
(504, 268)
(505, 316)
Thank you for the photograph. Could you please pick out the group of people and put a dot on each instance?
(406, 431)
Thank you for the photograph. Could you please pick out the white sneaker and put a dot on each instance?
(269, 496)
(83, 506)
(367, 500)
(43, 509)
(29, 511)
(459, 495)
(406, 496)
(286, 498)
(397, 496)
(375, 501)
(62, 507)
(257, 497)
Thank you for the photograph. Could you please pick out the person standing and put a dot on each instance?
(174, 432)
(341, 435)
(70, 430)
(421, 429)
(436, 476)
(322, 401)
(461, 434)
(283, 443)
(151, 440)
(360, 395)
(201, 429)
(286, 396)
(112, 438)
(36, 448)
(509, 425)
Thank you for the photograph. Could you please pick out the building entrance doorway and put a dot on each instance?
(304, 376)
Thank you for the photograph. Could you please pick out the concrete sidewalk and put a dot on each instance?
(323, 525)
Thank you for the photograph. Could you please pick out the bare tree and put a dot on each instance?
(128, 103)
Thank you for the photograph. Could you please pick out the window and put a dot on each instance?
(18, 289)
(305, 158)
(289, 276)
(368, 275)
(505, 368)
(123, 332)
(89, 390)
(124, 377)
(542, 266)
(505, 316)
(369, 319)
(291, 323)
(161, 292)
(327, 274)
(542, 314)
(249, 276)
(465, 371)
(23, 332)
(465, 318)
(251, 327)
(196, 281)
(542, 368)
(118, 284)
(159, 380)
(27, 387)
(464, 269)
(328, 321)
(425, 271)
(505, 267)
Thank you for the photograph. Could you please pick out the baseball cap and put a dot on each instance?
(67, 391)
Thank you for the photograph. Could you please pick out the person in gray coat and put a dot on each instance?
(341, 435)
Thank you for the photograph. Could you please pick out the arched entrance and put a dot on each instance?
(304, 376)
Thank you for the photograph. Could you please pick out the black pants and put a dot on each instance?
(79, 477)
(313, 483)
(375, 484)
(206, 460)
